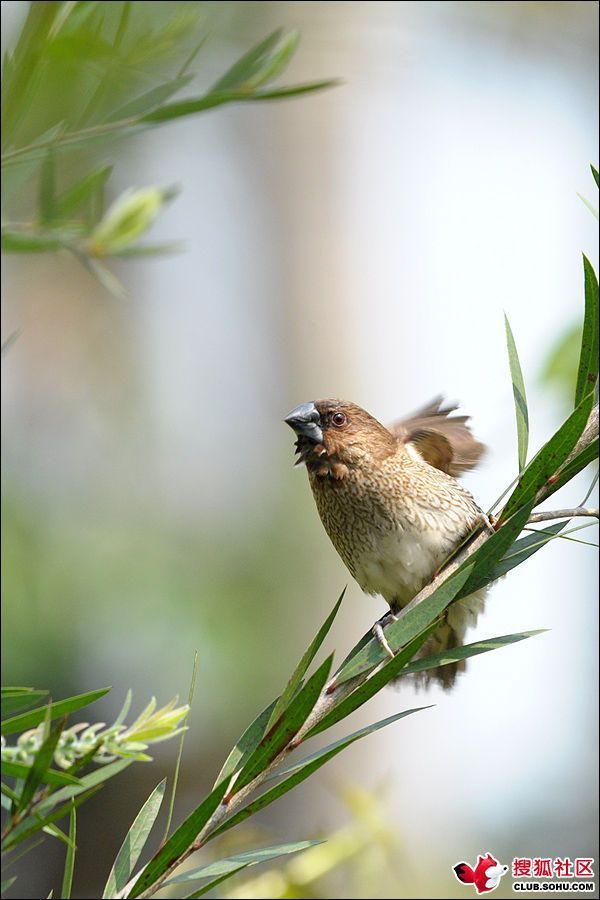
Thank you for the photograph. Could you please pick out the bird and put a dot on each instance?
(391, 504)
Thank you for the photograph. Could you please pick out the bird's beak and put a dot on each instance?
(306, 422)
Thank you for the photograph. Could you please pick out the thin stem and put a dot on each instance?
(180, 751)
(575, 512)
(590, 489)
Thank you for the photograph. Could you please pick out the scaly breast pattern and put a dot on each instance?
(395, 525)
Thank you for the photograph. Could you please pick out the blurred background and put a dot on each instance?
(362, 242)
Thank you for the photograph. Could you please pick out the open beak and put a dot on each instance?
(306, 422)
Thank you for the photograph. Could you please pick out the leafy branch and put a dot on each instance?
(76, 219)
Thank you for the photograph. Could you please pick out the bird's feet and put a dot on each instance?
(378, 631)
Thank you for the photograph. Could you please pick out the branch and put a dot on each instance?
(332, 694)
(576, 512)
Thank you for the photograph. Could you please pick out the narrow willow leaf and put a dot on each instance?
(526, 547)
(22, 242)
(55, 832)
(593, 209)
(53, 777)
(40, 765)
(134, 842)
(47, 190)
(483, 562)
(148, 101)
(19, 698)
(405, 629)
(518, 385)
(587, 374)
(246, 744)
(546, 463)
(67, 882)
(8, 794)
(209, 101)
(247, 858)
(86, 782)
(299, 772)
(7, 883)
(289, 724)
(213, 884)
(179, 841)
(142, 250)
(302, 667)
(374, 684)
(245, 67)
(595, 174)
(456, 654)
(80, 192)
(31, 825)
(27, 720)
(276, 63)
(295, 90)
(577, 464)
(180, 749)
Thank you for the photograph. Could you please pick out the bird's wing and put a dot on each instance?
(443, 440)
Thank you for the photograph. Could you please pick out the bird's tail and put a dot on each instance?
(448, 636)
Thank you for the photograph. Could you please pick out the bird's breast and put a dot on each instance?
(390, 540)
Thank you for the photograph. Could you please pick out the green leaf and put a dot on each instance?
(24, 242)
(406, 628)
(589, 205)
(286, 728)
(47, 190)
(275, 65)
(67, 882)
(595, 174)
(299, 772)
(40, 765)
(86, 782)
(374, 684)
(247, 858)
(483, 561)
(447, 657)
(55, 832)
(179, 841)
(520, 397)
(295, 90)
(53, 777)
(587, 374)
(180, 749)
(209, 101)
(19, 698)
(246, 744)
(526, 547)
(82, 191)
(150, 99)
(7, 883)
(134, 842)
(25, 721)
(549, 459)
(32, 824)
(302, 667)
(247, 66)
(577, 464)
(213, 884)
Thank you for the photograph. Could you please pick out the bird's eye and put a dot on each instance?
(339, 419)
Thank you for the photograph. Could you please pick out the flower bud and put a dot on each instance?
(130, 216)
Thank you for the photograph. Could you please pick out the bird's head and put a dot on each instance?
(334, 436)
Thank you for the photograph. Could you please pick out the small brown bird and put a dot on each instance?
(390, 502)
